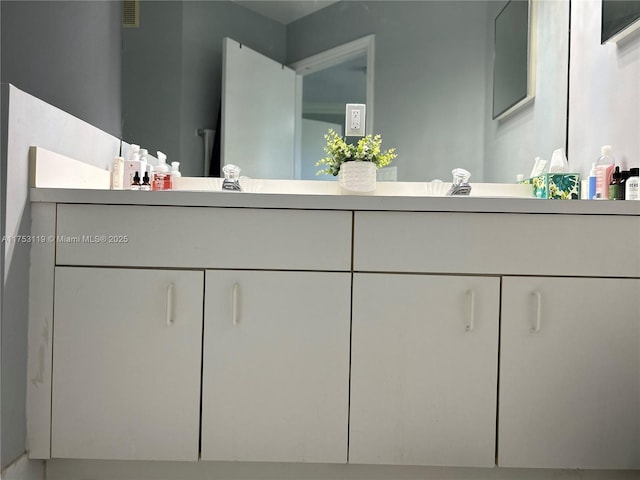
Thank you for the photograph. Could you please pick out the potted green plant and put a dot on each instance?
(355, 163)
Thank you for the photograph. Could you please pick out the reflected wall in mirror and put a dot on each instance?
(433, 78)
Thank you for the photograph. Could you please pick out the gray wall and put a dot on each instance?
(430, 75)
(172, 81)
(540, 127)
(152, 78)
(66, 53)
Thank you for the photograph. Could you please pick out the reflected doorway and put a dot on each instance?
(326, 82)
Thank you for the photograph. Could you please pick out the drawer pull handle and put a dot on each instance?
(234, 303)
(536, 326)
(472, 306)
(170, 294)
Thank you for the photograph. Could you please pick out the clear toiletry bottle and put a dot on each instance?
(604, 172)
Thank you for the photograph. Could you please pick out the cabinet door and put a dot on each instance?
(126, 364)
(276, 366)
(570, 373)
(424, 365)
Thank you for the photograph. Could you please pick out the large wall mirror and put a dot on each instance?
(514, 58)
(432, 80)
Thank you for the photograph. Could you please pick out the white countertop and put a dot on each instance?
(336, 202)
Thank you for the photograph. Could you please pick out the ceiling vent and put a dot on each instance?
(130, 13)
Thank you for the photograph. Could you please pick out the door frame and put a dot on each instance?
(321, 61)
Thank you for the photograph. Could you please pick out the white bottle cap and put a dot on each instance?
(606, 150)
(175, 165)
(162, 158)
(144, 152)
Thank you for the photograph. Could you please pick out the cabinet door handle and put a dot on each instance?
(234, 303)
(170, 294)
(471, 296)
(538, 297)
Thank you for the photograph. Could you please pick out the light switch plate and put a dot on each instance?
(354, 120)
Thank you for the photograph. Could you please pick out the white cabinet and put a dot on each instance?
(570, 373)
(424, 369)
(276, 366)
(126, 364)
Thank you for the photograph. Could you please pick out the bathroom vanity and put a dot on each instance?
(334, 329)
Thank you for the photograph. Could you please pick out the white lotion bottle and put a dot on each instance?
(130, 168)
(117, 175)
(144, 160)
(175, 169)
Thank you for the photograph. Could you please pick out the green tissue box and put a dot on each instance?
(564, 186)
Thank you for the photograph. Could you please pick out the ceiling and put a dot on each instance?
(285, 11)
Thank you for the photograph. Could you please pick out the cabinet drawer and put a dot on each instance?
(490, 243)
(200, 237)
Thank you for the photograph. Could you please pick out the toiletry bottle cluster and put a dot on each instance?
(608, 182)
(138, 173)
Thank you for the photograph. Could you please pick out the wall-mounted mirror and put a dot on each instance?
(619, 19)
(514, 57)
(433, 79)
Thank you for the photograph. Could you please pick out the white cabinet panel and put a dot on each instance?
(276, 366)
(423, 385)
(496, 243)
(198, 237)
(570, 392)
(126, 372)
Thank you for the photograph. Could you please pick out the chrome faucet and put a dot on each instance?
(231, 181)
(460, 184)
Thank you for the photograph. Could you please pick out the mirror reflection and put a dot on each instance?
(431, 93)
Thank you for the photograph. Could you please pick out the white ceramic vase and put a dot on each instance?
(358, 176)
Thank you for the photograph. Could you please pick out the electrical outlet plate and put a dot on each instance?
(354, 120)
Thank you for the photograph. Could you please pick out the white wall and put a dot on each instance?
(29, 121)
(540, 127)
(604, 96)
